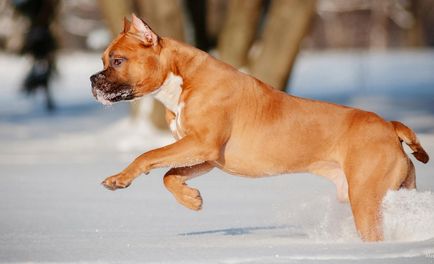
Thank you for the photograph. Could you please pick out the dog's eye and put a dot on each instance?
(117, 62)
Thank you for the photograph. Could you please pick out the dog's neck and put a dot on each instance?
(169, 92)
(184, 61)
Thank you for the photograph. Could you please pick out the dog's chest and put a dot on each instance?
(169, 95)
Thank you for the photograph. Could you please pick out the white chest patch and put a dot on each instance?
(170, 92)
(175, 124)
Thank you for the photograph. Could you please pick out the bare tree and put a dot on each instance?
(239, 31)
(166, 18)
(114, 11)
(379, 20)
(287, 24)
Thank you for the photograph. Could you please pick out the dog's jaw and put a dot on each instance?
(100, 98)
(107, 92)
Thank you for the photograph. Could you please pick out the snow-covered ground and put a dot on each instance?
(53, 208)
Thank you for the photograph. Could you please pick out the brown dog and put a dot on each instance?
(223, 118)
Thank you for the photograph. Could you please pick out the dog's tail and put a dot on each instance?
(409, 137)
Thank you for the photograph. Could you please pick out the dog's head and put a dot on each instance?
(132, 65)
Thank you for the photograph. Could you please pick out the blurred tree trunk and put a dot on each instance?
(379, 36)
(239, 31)
(215, 17)
(288, 22)
(114, 11)
(415, 35)
(165, 18)
(198, 13)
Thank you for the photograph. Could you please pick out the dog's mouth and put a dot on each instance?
(108, 98)
(108, 93)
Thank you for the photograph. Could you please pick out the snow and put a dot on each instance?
(53, 208)
(408, 215)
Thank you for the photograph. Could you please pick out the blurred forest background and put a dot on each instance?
(59, 143)
(262, 37)
(81, 24)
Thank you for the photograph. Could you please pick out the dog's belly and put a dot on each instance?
(259, 161)
(239, 168)
(245, 170)
(263, 163)
(249, 164)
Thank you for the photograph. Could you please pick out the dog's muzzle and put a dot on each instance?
(107, 92)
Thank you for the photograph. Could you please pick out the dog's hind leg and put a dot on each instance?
(175, 179)
(370, 176)
(368, 182)
(365, 199)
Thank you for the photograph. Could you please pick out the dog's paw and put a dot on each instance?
(118, 181)
(190, 198)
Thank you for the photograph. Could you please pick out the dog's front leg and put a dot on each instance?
(175, 181)
(186, 152)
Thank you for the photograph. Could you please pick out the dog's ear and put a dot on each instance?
(142, 31)
(127, 25)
